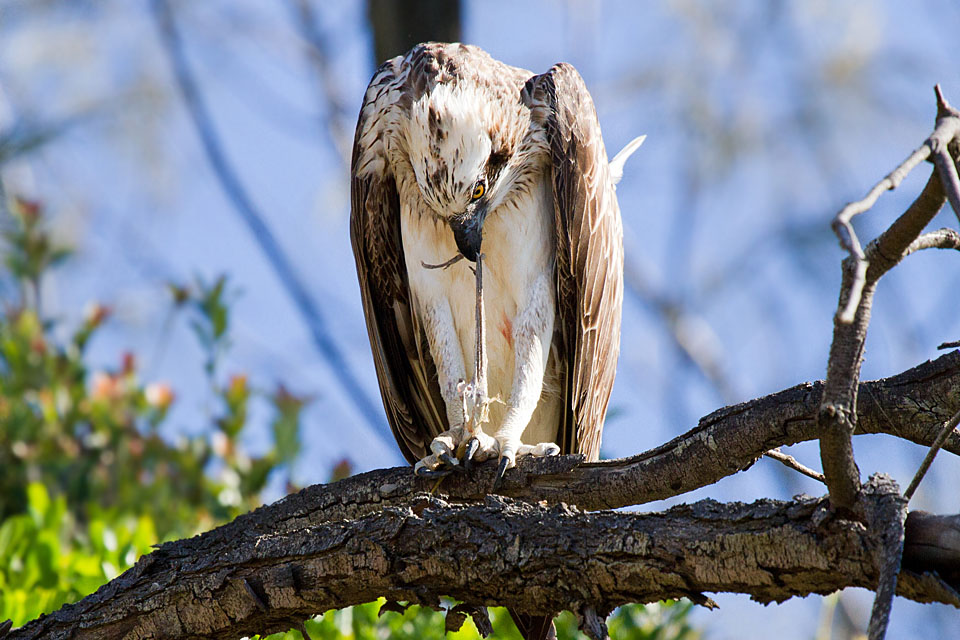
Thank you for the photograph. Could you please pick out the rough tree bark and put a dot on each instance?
(384, 534)
(535, 557)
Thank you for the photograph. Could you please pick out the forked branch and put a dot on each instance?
(862, 270)
(937, 147)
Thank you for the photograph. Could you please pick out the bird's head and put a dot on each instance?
(461, 146)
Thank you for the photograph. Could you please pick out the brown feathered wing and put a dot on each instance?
(589, 253)
(405, 368)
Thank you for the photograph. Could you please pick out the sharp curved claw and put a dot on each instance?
(501, 469)
(452, 463)
(423, 472)
(473, 444)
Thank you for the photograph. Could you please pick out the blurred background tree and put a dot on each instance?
(763, 119)
(88, 482)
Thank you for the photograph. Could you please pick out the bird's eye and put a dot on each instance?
(478, 190)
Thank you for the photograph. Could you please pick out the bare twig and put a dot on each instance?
(886, 515)
(948, 428)
(794, 464)
(855, 292)
(253, 218)
(862, 271)
(946, 130)
(480, 365)
(473, 394)
(848, 237)
(948, 174)
(941, 147)
(949, 345)
(945, 238)
(477, 388)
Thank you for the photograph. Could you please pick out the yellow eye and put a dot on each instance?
(478, 191)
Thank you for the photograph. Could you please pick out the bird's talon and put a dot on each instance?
(469, 450)
(452, 463)
(424, 472)
(501, 469)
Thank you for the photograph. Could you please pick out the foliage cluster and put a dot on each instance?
(88, 481)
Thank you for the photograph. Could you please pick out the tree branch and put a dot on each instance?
(534, 558)
(862, 271)
(837, 416)
(382, 534)
(887, 521)
(792, 463)
(945, 238)
(912, 405)
(936, 146)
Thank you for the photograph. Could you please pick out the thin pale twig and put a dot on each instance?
(946, 130)
(891, 181)
(948, 176)
(796, 465)
(473, 394)
(855, 294)
(945, 432)
(945, 238)
(843, 227)
(948, 126)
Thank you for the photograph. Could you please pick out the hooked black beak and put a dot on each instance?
(468, 231)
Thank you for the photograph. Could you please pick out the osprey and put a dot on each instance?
(454, 149)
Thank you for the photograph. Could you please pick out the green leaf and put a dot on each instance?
(38, 501)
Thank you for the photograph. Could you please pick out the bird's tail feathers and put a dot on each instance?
(616, 165)
(534, 627)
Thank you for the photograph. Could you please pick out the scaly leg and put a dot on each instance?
(445, 349)
(532, 333)
(465, 403)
